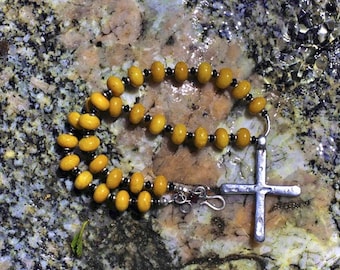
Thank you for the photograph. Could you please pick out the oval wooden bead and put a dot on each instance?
(181, 72)
(67, 141)
(114, 178)
(144, 201)
(101, 193)
(98, 163)
(243, 137)
(99, 101)
(241, 90)
(69, 162)
(157, 72)
(204, 72)
(115, 85)
(73, 119)
(89, 122)
(201, 137)
(136, 182)
(136, 76)
(116, 105)
(257, 105)
(83, 180)
(224, 78)
(157, 124)
(122, 200)
(222, 138)
(179, 134)
(136, 114)
(89, 143)
(160, 186)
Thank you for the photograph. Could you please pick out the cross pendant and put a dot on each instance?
(260, 189)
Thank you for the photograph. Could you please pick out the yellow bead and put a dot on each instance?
(137, 113)
(114, 178)
(201, 137)
(224, 78)
(144, 201)
(98, 164)
(241, 90)
(179, 134)
(88, 121)
(136, 182)
(136, 76)
(101, 193)
(122, 200)
(89, 143)
(257, 105)
(83, 180)
(222, 138)
(115, 85)
(99, 101)
(204, 72)
(69, 162)
(181, 72)
(73, 119)
(67, 140)
(160, 186)
(157, 72)
(157, 124)
(116, 105)
(243, 137)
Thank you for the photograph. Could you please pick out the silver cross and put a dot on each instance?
(260, 188)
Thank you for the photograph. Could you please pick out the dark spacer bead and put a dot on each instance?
(112, 197)
(171, 186)
(264, 113)
(193, 71)
(92, 187)
(75, 171)
(234, 82)
(107, 94)
(133, 201)
(253, 140)
(126, 108)
(214, 73)
(211, 138)
(232, 137)
(249, 97)
(148, 185)
(190, 135)
(126, 80)
(125, 181)
(147, 118)
(156, 202)
(146, 72)
(169, 71)
(168, 128)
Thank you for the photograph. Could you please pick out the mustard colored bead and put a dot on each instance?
(69, 162)
(115, 85)
(157, 124)
(201, 137)
(144, 201)
(101, 193)
(99, 101)
(116, 105)
(73, 119)
(222, 138)
(179, 134)
(157, 72)
(67, 141)
(89, 143)
(243, 137)
(137, 113)
(160, 186)
(181, 72)
(114, 178)
(136, 182)
(257, 105)
(136, 76)
(122, 200)
(88, 121)
(83, 180)
(98, 163)
(224, 78)
(241, 90)
(204, 72)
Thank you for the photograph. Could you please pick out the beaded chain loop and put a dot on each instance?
(134, 190)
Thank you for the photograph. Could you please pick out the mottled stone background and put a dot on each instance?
(53, 54)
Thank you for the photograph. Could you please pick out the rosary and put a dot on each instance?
(133, 191)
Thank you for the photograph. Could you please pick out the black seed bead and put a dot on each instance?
(105, 171)
(125, 181)
(126, 108)
(193, 71)
(147, 118)
(190, 135)
(75, 171)
(146, 72)
(156, 202)
(92, 187)
(214, 73)
(168, 128)
(133, 201)
(264, 113)
(234, 82)
(169, 71)
(249, 97)
(232, 137)
(112, 197)
(211, 138)
(171, 186)
(92, 155)
(253, 140)
(67, 151)
(107, 94)
(126, 80)
(148, 185)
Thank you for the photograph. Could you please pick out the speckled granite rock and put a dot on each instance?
(53, 54)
